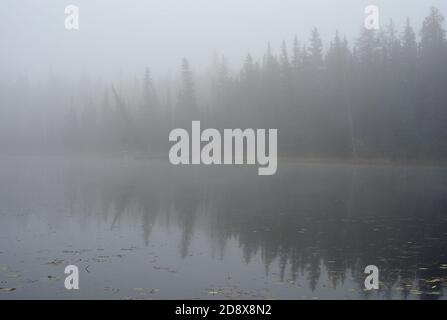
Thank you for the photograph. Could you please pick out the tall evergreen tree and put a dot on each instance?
(286, 71)
(432, 35)
(187, 109)
(367, 47)
(296, 57)
(316, 49)
(409, 45)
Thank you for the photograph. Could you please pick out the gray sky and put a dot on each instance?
(123, 36)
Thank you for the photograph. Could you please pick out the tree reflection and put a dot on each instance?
(308, 219)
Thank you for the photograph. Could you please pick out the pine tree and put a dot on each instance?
(296, 58)
(187, 105)
(432, 35)
(391, 45)
(367, 47)
(336, 54)
(409, 45)
(285, 65)
(149, 95)
(248, 69)
(316, 49)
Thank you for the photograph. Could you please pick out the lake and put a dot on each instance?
(144, 229)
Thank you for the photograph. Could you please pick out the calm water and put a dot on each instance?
(146, 230)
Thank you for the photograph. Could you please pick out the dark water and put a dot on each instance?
(146, 230)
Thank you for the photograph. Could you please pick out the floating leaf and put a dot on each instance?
(55, 262)
(7, 289)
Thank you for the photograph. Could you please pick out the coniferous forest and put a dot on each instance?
(98, 200)
(382, 95)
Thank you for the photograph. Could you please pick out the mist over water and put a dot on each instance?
(85, 178)
(150, 230)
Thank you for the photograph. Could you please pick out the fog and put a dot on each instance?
(357, 149)
(120, 38)
(134, 71)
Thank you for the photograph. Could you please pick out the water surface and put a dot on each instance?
(140, 229)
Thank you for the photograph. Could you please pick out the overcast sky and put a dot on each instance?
(124, 36)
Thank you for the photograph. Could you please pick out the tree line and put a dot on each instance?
(383, 96)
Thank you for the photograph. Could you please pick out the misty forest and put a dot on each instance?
(380, 96)
(85, 176)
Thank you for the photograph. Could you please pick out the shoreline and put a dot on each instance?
(364, 161)
(281, 159)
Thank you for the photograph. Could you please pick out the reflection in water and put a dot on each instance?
(313, 225)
